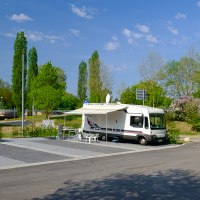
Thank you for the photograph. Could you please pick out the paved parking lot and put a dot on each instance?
(23, 152)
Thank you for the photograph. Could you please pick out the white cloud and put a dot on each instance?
(142, 28)
(151, 39)
(20, 18)
(132, 36)
(75, 32)
(35, 36)
(113, 44)
(180, 16)
(119, 68)
(10, 35)
(198, 3)
(39, 36)
(83, 12)
(173, 30)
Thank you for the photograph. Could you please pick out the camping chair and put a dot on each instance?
(95, 137)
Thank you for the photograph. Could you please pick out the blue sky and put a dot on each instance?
(122, 31)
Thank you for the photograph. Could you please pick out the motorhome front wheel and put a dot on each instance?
(142, 141)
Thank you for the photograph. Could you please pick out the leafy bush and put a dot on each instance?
(34, 132)
(173, 134)
(195, 123)
(41, 132)
(184, 108)
(1, 133)
(16, 132)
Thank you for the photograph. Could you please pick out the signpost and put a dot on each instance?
(141, 95)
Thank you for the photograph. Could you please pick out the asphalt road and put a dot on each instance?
(172, 173)
(13, 123)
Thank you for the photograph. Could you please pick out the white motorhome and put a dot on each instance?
(141, 123)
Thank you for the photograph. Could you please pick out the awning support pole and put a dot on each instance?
(106, 128)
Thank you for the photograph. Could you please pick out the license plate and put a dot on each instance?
(160, 140)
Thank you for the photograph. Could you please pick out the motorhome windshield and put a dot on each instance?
(157, 121)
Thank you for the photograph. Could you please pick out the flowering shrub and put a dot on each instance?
(184, 108)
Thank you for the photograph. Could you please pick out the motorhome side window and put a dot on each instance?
(136, 121)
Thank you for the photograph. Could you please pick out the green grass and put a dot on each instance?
(185, 129)
(10, 130)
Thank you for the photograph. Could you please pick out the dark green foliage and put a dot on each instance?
(47, 98)
(16, 132)
(68, 102)
(6, 93)
(35, 132)
(195, 121)
(32, 74)
(48, 88)
(128, 96)
(61, 79)
(95, 83)
(20, 55)
(41, 132)
(173, 134)
(155, 95)
(82, 81)
(47, 76)
(1, 133)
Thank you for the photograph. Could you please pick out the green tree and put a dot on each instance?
(32, 73)
(82, 81)
(121, 88)
(171, 78)
(149, 69)
(6, 94)
(48, 82)
(95, 83)
(48, 75)
(68, 102)
(61, 80)
(180, 77)
(19, 61)
(106, 80)
(48, 98)
(128, 96)
(155, 97)
(151, 65)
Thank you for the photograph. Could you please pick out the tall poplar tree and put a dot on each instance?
(19, 62)
(32, 73)
(82, 81)
(94, 78)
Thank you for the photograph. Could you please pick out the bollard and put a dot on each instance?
(60, 129)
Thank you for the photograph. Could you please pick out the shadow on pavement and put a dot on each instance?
(171, 184)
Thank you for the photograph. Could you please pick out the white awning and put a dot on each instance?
(97, 109)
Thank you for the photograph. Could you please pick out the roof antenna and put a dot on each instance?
(107, 98)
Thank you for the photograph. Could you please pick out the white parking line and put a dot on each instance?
(133, 147)
(83, 158)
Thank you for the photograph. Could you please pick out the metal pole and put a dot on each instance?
(1, 103)
(143, 97)
(22, 94)
(106, 128)
(33, 113)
